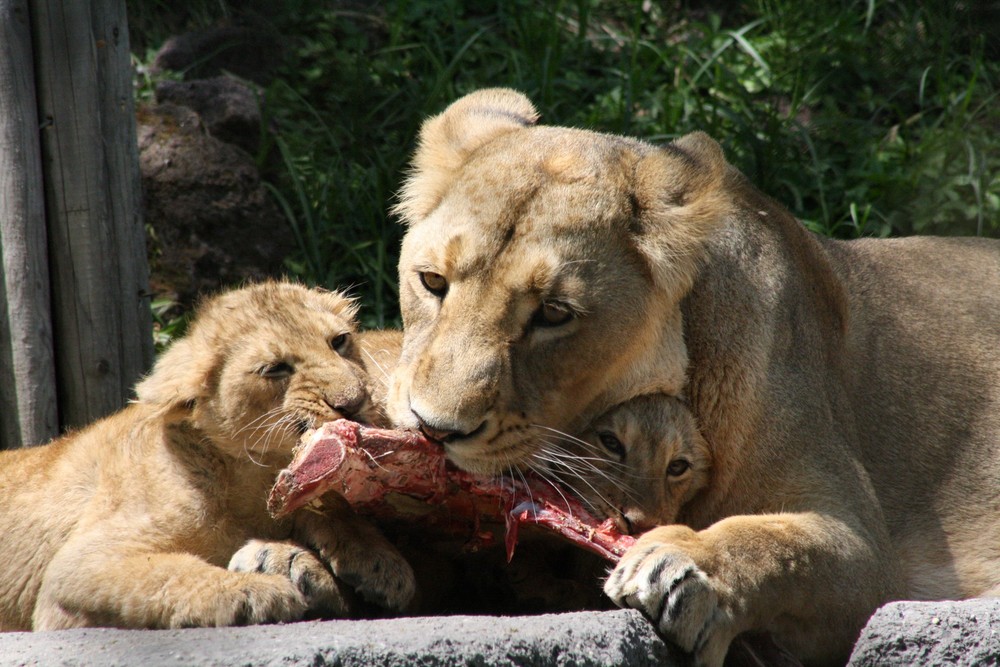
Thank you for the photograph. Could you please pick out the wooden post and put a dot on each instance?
(97, 261)
(28, 412)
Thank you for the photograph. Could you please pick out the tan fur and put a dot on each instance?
(849, 391)
(132, 521)
(640, 485)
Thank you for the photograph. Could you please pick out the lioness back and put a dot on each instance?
(925, 330)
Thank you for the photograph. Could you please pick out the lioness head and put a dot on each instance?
(261, 364)
(638, 463)
(541, 274)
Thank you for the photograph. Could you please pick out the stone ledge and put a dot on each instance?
(613, 638)
(931, 633)
(901, 633)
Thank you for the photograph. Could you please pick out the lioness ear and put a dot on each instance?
(180, 377)
(447, 140)
(680, 201)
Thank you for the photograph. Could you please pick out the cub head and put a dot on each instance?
(541, 274)
(638, 463)
(260, 365)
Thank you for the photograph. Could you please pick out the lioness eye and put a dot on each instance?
(551, 314)
(678, 467)
(277, 370)
(434, 283)
(338, 343)
(612, 444)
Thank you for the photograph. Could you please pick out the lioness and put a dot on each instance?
(849, 392)
(131, 522)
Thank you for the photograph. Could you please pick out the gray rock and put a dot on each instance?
(250, 52)
(211, 218)
(931, 633)
(613, 638)
(228, 108)
(902, 633)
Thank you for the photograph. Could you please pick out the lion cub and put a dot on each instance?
(132, 521)
(639, 463)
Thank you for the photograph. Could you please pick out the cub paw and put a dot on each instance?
(381, 576)
(358, 554)
(676, 596)
(319, 589)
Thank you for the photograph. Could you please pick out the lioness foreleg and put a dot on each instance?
(781, 572)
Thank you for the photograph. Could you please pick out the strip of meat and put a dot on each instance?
(381, 472)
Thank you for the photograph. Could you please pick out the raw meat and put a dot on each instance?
(382, 472)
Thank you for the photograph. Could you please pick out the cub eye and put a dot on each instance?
(339, 343)
(678, 467)
(276, 371)
(612, 444)
(551, 314)
(434, 283)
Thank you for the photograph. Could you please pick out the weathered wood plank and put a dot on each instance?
(99, 275)
(28, 412)
(121, 155)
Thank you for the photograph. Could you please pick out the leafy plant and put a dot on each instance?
(864, 118)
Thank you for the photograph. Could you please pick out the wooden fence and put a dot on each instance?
(75, 332)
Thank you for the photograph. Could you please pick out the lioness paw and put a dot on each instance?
(676, 596)
(317, 585)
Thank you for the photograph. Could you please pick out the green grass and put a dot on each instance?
(864, 118)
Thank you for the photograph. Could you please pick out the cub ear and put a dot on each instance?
(447, 140)
(681, 200)
(180, 377)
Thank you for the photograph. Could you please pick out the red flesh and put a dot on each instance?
(375, 468)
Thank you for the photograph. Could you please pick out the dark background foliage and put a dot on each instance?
(864, 118)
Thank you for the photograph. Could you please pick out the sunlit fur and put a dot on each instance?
(513, 216)
(132, 521)
(849, 392)
(655, 429)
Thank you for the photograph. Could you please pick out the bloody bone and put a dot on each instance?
(377, 470)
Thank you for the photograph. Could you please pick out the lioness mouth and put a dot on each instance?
(444, 437)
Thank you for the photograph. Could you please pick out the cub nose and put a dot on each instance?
(347, 406)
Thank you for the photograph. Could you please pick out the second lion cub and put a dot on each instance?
(132, 521)
(639, 463)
